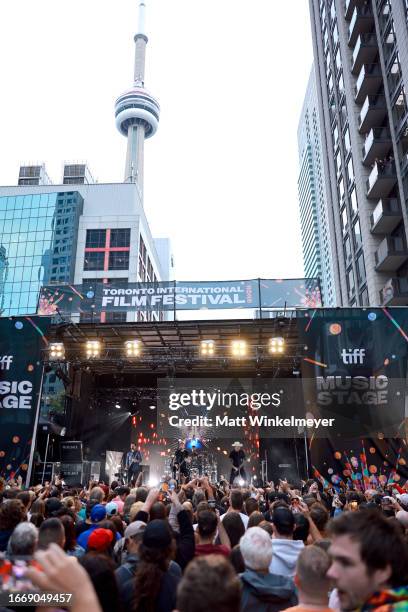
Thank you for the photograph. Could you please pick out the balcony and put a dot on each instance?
(381, 180)
(365, 52)
(385, 217)
(368, 82)
(390, 255)
(395, 292)
(377, 145)
(362, 21)
(373, 112)
(350, 6)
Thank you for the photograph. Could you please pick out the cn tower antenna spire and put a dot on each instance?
(136, 110)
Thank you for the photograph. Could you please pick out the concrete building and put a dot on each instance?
(361, 56)
(314, 221)
(82, 231)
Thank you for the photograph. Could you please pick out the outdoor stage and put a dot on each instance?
(111, 399)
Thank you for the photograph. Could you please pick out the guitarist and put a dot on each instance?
(133, 459)
(237, 457)
(179, 462)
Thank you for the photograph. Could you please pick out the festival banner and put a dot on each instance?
(173, 296)
(21, 341)
(355, 361)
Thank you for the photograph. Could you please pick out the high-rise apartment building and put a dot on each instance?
(316, 243)
(361, 57)
(81, 231)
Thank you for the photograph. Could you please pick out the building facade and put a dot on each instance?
(361, 56)
(316, 242)
(70, 234)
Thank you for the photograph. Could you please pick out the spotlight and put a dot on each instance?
(241, 482)
(57, 351)
(152, 407)
(93, 349)
(276, 345)
(153, 481)
(117, 406)
(132, 348)
(207, 348)
(239, 348)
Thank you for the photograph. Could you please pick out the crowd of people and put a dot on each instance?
(199, 547)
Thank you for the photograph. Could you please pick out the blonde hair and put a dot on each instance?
(134, 509)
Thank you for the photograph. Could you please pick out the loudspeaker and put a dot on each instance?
(39, 471)
(71, 451)
(72, 474)
(286, 458)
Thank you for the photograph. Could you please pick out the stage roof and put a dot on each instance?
(177, 343)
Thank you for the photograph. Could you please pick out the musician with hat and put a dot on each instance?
(237, 457)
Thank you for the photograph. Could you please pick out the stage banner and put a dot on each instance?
(354, 363)
(173, 296)
(21, 341)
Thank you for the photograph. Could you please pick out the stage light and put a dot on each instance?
(117, 406)
(153, 481)
(152, 407)
(239, 348)
(132, 348)
(241, 482)
(207, 348)
(93, 349)
(276, 345)
(57, 351)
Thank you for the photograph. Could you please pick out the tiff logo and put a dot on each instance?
(353, 356)
(5, 362)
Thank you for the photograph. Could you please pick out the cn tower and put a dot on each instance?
(137, 112)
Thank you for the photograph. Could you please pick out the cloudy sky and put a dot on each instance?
(230, 75)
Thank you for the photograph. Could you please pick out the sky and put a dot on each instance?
(230, 76)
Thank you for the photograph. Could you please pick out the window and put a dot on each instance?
(338, 163)
(350, 170)
(361, 271)
(364, 297)
(94, 260)
(120, 238)
(344, 222)
(119, 260)
(350, 283)
(353, 200)
(347, 250)
(335, 35)
(347, 142)
(357, 235)
(338, 60)
(95, 238)
(335, 137)
(340, 187)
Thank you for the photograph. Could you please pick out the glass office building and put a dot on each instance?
(38, 235)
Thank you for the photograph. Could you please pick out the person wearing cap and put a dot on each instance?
(132, 540)
(157, 576)
(111, 508)
(98, 514)
(100, 540)
(237, 457)
(285, 549)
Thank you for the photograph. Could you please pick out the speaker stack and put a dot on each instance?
(71, 462)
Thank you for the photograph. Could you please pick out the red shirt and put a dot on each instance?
(211, 549)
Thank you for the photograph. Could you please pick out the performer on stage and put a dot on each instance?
(237, 457)
(179, 461)
(133, 459)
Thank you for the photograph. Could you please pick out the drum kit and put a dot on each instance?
(197, 465)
